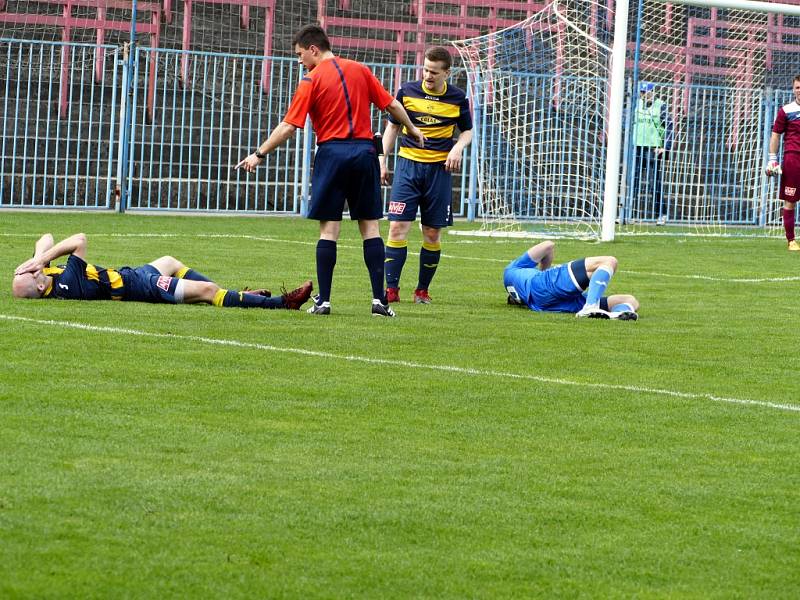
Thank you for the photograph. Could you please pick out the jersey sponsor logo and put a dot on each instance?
(397, 208)
(789, 191)
(428, 120)
(63, 286)
(163, 282)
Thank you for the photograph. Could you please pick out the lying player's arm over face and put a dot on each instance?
(46, 252)
(542, 253)
(43, 244)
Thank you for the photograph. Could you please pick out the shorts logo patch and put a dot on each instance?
(397, 208)
(163, 282)
(789, 191)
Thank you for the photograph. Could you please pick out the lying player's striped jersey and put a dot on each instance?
(78, 280)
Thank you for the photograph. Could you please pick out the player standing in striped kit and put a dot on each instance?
(422, 176)
(787, 124)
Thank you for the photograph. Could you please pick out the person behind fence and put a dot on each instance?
(337, 93)
(422, 178)
(166, 280)
(652, 139)
(574, 287)
(787, 125)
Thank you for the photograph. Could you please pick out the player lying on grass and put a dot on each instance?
(575, 287)
(165, 280)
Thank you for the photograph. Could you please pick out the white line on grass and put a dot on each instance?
(407, 364)
(504, 261)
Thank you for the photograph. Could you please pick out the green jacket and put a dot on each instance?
(652, 127)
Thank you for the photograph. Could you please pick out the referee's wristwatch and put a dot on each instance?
(259, 155)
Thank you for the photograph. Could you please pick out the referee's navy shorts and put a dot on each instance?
(346, 170)
(790, 177)
(427, 186)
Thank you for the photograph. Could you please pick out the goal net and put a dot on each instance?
(702, 86)
(540, 91)
(699, 115)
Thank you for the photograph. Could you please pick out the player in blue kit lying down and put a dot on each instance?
(165, 280)
(574, 287)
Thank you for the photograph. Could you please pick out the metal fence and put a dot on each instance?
(66, 141)
(54, 158)
(193, 116)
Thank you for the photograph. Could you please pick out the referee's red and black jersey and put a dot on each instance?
(437, 116)
(787, 122)
(337, 95)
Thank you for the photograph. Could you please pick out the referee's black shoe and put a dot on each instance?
(379, 309)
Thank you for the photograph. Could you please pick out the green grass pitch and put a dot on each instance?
(466, 449)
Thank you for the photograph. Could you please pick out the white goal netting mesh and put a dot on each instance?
(540, 91)
(702, 88)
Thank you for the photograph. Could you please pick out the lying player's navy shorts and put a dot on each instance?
(346, 170)
(425, 185)
(146, 284)
(790, 177)
(558, 289)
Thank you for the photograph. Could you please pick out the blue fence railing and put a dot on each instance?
(195, 115)
(59, 124)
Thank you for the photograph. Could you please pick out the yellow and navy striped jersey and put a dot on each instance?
(437, 116)
(78, 280)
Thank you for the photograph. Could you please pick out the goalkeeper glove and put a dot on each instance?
(773, 167)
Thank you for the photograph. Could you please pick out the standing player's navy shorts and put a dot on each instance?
(425, 185)
(558, 289)
(346, 170)
(790, 177)
(146, 284)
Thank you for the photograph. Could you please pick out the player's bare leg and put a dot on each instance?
(172, 267)
(623, 307)
(600, 269)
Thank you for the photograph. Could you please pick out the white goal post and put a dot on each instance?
(617, 91)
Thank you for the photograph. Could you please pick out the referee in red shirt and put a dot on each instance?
(336, 93)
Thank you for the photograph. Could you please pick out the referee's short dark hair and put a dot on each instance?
(796, 78)
(311, 35)
(439, 54)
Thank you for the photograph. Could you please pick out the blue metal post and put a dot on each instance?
(476, 141)
(128, 76)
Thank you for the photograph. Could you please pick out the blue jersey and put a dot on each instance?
(557, 289)
(436, 115)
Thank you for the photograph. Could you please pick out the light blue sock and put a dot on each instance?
(598, 284)
(623, 307)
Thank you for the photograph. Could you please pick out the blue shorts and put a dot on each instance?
(427, 186)
(346, 170)
(146, 284)
(558, 289)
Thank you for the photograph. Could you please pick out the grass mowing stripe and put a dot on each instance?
(411, 364)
